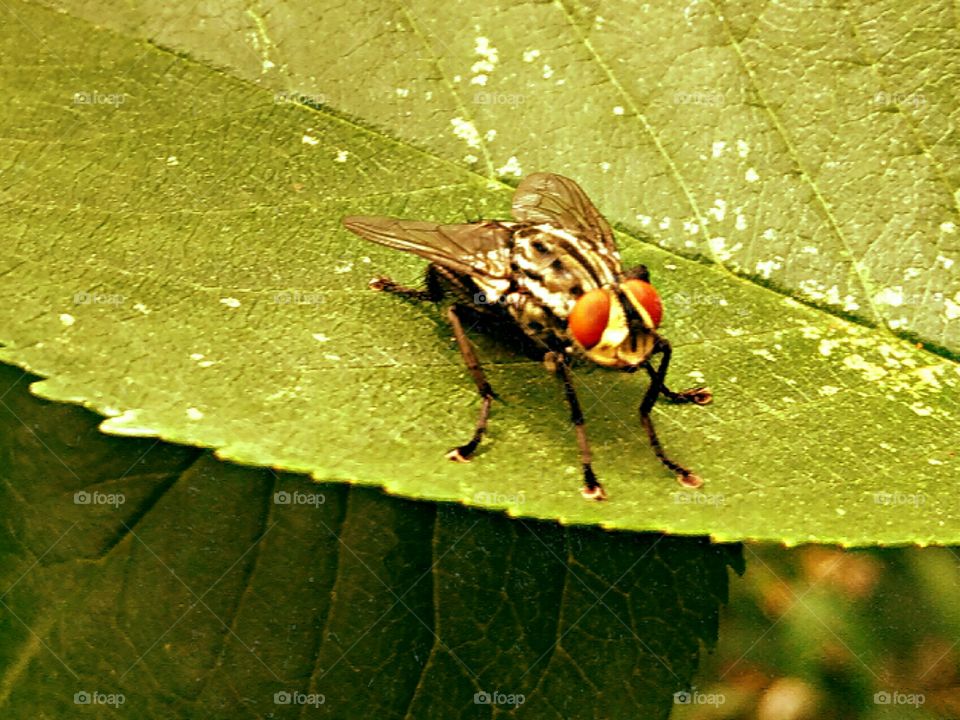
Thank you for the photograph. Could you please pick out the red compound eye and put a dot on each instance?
(589, 317)
(648, 297)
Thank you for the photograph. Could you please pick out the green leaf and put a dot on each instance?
(186, 586)
(812, 148)
(176, 260)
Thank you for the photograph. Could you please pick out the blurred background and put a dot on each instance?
(820, 632)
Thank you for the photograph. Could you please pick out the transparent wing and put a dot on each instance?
(478, 249)
(559, 201)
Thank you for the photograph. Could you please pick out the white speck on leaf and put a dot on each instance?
(718, 245)
(341, 156)
(547, 72)
(230, 302)
(320, 337)
(645, 220)
(929, 375)
(618, 110)
(890, 296)
(828, 390)
(511, 167)
(194, 414)
(952, 307)
(743, 149)
(948, 227)
(487, 62)
(718, 148)
(870, 371)
(530, 55)
(766, 267)
(751, 175)
(719, 209)
(921, 409)
(466, 131)
(172, 161)
(309, 140)
(665, 223)
(67, 319)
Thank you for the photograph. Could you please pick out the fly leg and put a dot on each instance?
(463, 452)
(684, 475)
(433, 293)
(592, 489)
(697, 395)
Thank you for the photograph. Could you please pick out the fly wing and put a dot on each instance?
(559, 201)
(477, 249)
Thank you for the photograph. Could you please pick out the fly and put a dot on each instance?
(552, 278)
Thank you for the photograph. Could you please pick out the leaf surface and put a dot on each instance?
(175, 261)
